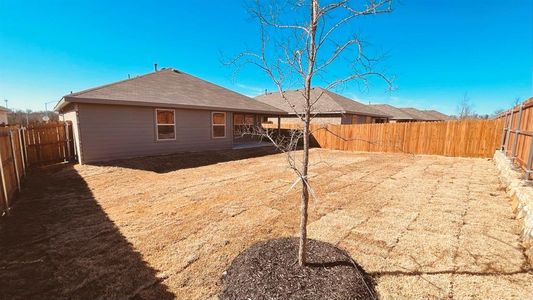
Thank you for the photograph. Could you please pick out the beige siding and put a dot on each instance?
(70, 114)
(111, 132)
(3, 117)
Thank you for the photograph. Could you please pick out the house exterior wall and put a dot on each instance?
(111, 132)
(3, 117)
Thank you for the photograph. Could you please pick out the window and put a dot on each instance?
(249, 120)
(218, 120)
(238, 119)
(166, 125)
(359, 119)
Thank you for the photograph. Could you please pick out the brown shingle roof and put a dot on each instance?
(4, 109)
(169, 88)
(394, 112)
(438, 115)
(419, 115)
(328, 103)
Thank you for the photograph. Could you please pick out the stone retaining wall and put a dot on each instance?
(521, 194)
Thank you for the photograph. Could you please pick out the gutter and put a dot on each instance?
(66, 99)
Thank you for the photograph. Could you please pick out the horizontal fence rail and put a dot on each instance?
(517, 135)
(464, 138)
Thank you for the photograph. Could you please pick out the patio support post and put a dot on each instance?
(279, 125)
(516, 133)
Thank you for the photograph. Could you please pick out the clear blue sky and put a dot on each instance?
(437, 49)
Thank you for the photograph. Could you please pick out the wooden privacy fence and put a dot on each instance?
(517, 132)
(49, 143)
(465, 138)
(12, 164)
(22, 147)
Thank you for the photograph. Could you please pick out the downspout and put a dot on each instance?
(79, 146)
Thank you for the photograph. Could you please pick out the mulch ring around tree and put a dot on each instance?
(270, 270)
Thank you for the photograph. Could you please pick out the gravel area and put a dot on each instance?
(167, 227)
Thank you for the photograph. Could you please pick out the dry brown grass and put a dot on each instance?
(424, 226)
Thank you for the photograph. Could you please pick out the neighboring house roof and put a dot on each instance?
(168, 88)
(394, 112)
(4, 109)
(419, 115)
(326, 103)
(438, 115)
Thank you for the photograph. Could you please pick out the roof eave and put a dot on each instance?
(63, 102)
(60, 105)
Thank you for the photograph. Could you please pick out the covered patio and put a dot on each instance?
(241, 121)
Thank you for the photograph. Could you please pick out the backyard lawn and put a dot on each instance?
(164, 227)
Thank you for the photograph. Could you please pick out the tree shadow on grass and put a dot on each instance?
(173, 162)
(59, 243)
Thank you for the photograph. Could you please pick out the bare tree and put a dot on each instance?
(299, 42)
(465, 109)
(26, 117)
(497, 112)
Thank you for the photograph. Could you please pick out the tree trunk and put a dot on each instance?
(302, 250)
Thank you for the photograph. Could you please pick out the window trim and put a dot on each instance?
(213, 125)
(157, 124)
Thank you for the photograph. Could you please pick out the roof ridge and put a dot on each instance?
(213, 84)
(366, 106)
(120, 81)
(329, 93)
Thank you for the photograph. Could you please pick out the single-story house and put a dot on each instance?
(438, 115)
(330, 108)
(397, 115)
(163, 112)
(420, 115)
(3, 115)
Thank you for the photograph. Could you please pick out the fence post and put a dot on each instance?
(529, 160)
(516, 132)
(59, 144)
(25, 140)
(22, 151)
(37, 147)
(509, 131)
(504, 133)
(15, 164)
(3, 177)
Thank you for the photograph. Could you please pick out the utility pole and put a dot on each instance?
(6, 102)
(46, 109)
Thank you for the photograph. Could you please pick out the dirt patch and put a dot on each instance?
(269, 270)
(422, 226)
